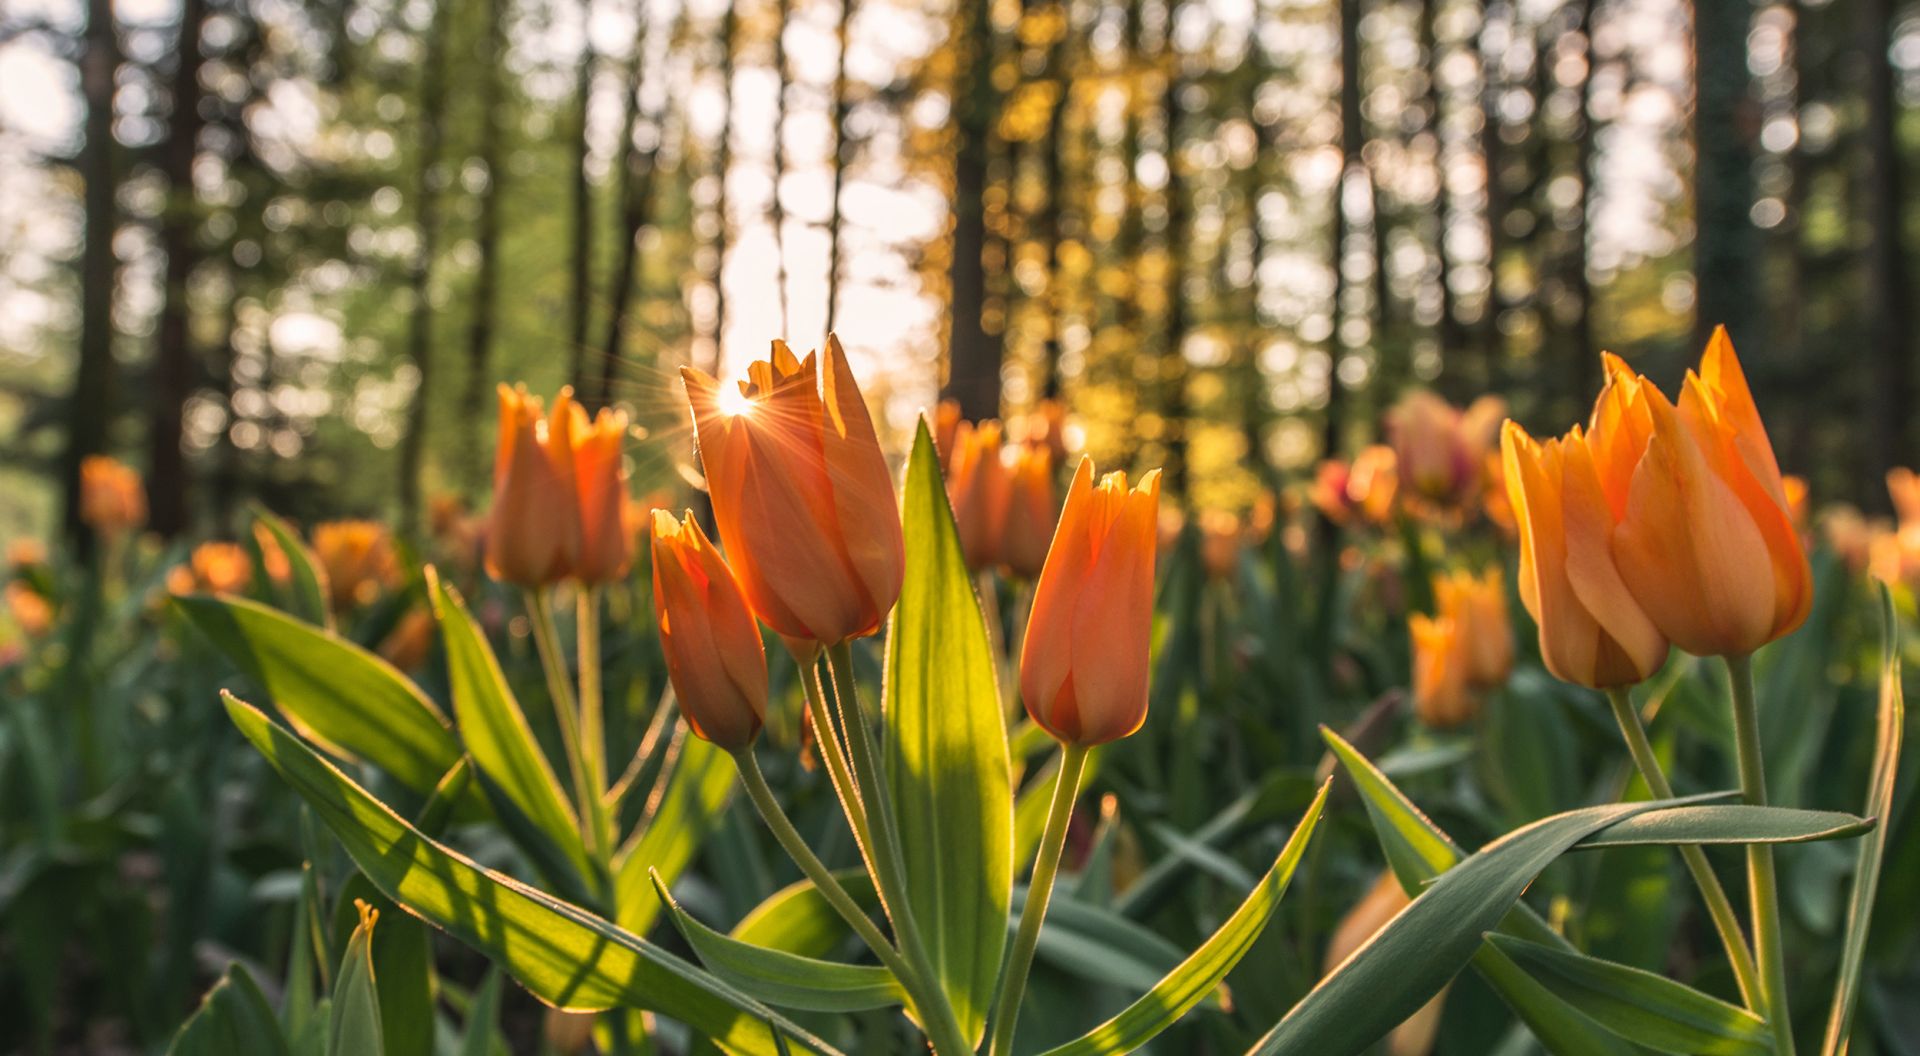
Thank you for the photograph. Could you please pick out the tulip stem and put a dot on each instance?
(925, 997)
(1046, 867)
(593, 730)
(1719, 906)
(546, 641)
(1763, 891)
(888, 864)
(826, 741)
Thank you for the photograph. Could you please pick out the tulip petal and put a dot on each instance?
(1591, 571)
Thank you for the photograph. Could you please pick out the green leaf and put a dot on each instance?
(947, 764)
(1640, 1006)
(1199, 974)
(356, 999)
(1727, 823)
(403, 967)
(1094, 943)
(496, 730)
(781, 978)
(563, 954)
(1563, 1029)
(695, 800)
(798, 919)
(233, 1017)
(336, 694)
(1866, 867)
(483, 1016)
(309, 577)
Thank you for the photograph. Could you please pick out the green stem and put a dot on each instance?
(1719, 907)
(920, 988)
(826, 741)
(593, 729)
(1763, 888)
(1046, 866)
(888, 865)
(566, 712)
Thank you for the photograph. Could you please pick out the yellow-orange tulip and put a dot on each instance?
(29, 609)
(1373, 482)
(1045, 426)
(802, 494)
(1850, 535)
(1031, 512)
(533, 532)
(1374, 911)
(606, 548)
(215, 568)
(1704, 538)
(112, 499)
(1903, 486)
(946, 422)
(1478, 606)
(714, 656)
(1083, 668)
(406, 646)
(978, 487)
(1435, 460)
(279, 569)
(358, 558)
(1592, 631)
(1441, 696)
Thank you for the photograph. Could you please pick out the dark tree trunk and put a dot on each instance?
(842, 157)
(1053, 146)
(1889, 313)
(426, 206)
(1173, 370)
(973, 355)
(174, 368)
(582, 299)
(722, 164)
(90, 407)
(486, 237)
(1351, 132)
(636, 194)
(1585, 377)
(1448, 332)
(1493, 346)
(776, 210)
(1725, 242)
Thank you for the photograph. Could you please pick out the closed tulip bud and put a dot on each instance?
(29, 610)
(946, 422)
(1850, 536)
(1478, 606)
(1382, 903)
(714, 657)
(1435, 459)
(1903, 487)
(26, 553)
(1441, 659)
(213, 568)
(533, 531)
(606, 547)
(407, 645)
(1032, 512)
(1328, 493)
(1083, 668)
(357, 557)
(802, 494)
(1592, 630)
(977, 485)
(1373, 482)
(1045, 426)
(113, 502)
(1705, 540)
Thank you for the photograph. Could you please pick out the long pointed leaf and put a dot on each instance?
(308, 576)
(1727, 823)
(690, 808)
(947, 763)
(563, 954)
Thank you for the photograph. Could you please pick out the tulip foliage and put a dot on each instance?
(932, 820)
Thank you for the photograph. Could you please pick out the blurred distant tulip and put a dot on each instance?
(1704, 538)
(1592, 630)
(978, 487)
(714, 655)
(1031, 512)
(29, 610)
(606, 548)
(1478, 606)
(113, 502)
(213, 568)
(1903, 486)
(1441, 659)
(358, 558)
(1373, 482)
(1045, 427)
(1436, 460)
(533, 532)
(1380, 905)
(1220, 540)
(407, 645)
(802, 494)
(1850, 536)
(946, 422)
(1083, 668)
(25, 553)
(278, 567)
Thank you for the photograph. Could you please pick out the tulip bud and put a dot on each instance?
(946, 422)
(1478, 606)
(802, 494)
(533, 531)
(1705, 540)
(29, 610)
(1083, 668)
(1373, 482)
(112, 499)
(1433, 455)
(714, 656)
(978, 486)
(1383, 902)
(1031, 512)
(1903, 487)
(213, 568)
(1592, 630)
(606, 547)
(1441, 697)
(357, 557)
(1220, 535)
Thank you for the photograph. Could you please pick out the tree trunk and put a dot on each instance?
(1725, 243)
(1585, 379)
(973, 355)
(776, 210)
(174, 368)
(636, 193)
(1053, 146)
(1493, 348)
(1332, 440)
(722, 164)
(842, 157)
(486, 237)
(90, 407)
(1448, 333)
(582, 298)
(1173, 370)
(1889, 313)
(426, 205)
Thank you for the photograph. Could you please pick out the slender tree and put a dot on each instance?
(486, 236)
(1448, 332)
(722, 165)
(842, 157)
(175, 370)
(777, 213)
(1491, 374)
(89, 407)
(1889, 291)
(1351, 135)
(973, 355)
(1179, 236)
(1725, 242)
(581, 305)
(426, 208)
(636, 196)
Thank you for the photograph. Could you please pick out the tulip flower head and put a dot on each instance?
(358, 558)
(714, 656)
(213, 568)
(1436, 461)
(1083, 668)
(1441, 659)
(113, 501)
(978, 486)
(1383, 902)
(801, 494)
(28, 609)
(1032, 511)
(606, 546)
(1478, 605)
(533, 531)
(1221, 534)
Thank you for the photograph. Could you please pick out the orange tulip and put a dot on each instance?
(406, 646)
(1903, 486)
(714, 656)
(213, 568)
(1435, 459)
(25, 553)
(802, 494)
(1478, 606)
(1441, 659)
(1031, 512)
(978, 486)
(1220, 538)
(1592, 630)
(1704, 538)
(946, 422)
(112, 499)
(1083, 668)
(533, 532)
(1045, 426)
(29, 610)
(1373, 482)
(1374, 911)
(606, 548)
(279, 569)
(358, 558)
(1850, 535)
